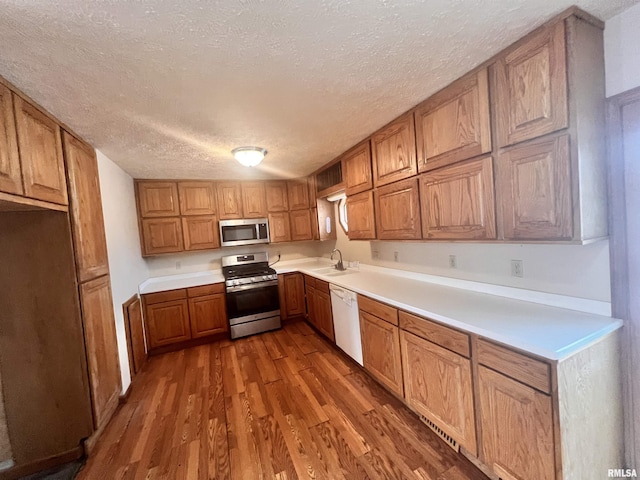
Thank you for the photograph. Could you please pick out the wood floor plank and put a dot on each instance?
(282, 405)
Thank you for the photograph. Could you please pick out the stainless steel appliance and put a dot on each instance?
(244, 231)
(253, 302)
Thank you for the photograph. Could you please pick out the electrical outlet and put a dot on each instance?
(517, 269)
(395, 256)
(453, 261)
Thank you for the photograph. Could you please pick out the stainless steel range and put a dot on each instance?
(253, 303)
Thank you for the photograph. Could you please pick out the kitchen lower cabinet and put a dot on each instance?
(324, 315)
(177, 316)
(291, 287)
(381, 351)
(437, 384)
(207, 310)
(102, 348)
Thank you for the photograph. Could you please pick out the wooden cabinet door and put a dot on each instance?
(200, 233)
(531, 87)
(357, 169)
(208, 315)
(167, 323)
(301, 228)
(517, 428)
(197, 198)
(360, 215)
(10, 173)
(298, 193)
(393, 151)
(324, 315)
(254, 203)
(158, 199)
(229, 200)
(437, 384)
(292, 295)
(40, 146)
(534, 190)
(454, 124)
(276, 196)
(161, 235)
(86, 209)
(279, 227)
(457, 201)
(323, 220)
(381, 351)
(134, 330)
(310, 293)
(397, 209)
(101, 347)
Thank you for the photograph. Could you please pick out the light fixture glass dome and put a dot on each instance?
(249, 156)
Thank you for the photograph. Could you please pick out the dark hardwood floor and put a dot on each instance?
(280, 405)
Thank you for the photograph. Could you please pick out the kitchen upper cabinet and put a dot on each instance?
(279, 227)
(517, 428)
(86, 209)
(161, 235)
(229, 200)
(157, 199)
(298, 192)
(301, 225)
(197, 198)
(397, 209)
(200, 233)
(381, 351)
(437, 384)
(10, 173)
(534, 190)
(292, 295)
(393, 151)
(40, 146)
(207, 310)
(454, 124)
(277, 197)
(167, 318)
(457, 201)
(530, 83)
(101, 347)
(357, 168)
(323, 220)
(254, 202)
(362, 223)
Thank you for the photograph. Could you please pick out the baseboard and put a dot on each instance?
(189, 343)
(19, 471)
(112, 407)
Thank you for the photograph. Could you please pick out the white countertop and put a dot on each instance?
(549, 331)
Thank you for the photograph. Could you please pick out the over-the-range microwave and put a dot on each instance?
(244, 231)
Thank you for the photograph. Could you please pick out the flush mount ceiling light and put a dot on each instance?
(249, 156)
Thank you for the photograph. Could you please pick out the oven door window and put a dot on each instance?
(250, 302)
(238, 232)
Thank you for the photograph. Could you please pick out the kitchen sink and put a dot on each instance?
(332, 272)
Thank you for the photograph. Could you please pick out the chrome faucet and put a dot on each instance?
(339, 266)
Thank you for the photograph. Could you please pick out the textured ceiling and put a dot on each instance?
(167, 88)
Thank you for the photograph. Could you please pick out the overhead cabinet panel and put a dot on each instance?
(298, 191)
(279, 227)
(10, 174)
(531, 87)
(276, 196)
(360, 214)
(158, 199)
(457, 201)
(162, 235)
(197, 198)
(394, 151)
(357, 166)
(200, 233)
(397, 209)
(454, 124)
(254, 203)
(229, 200)
(40, 146)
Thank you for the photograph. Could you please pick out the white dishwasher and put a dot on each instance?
(346, 321)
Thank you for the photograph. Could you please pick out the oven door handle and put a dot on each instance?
(252, 286)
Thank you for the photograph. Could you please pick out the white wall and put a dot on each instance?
(622, 51)
(126, 265)
(575, 270)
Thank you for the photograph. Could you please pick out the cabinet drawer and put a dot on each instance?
(168, 296)
(322, 286)
(530, 371)
(380, 310)
(205, 290)
(439, 334)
